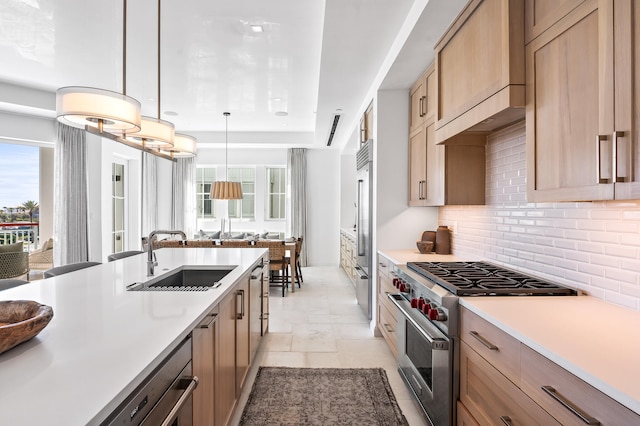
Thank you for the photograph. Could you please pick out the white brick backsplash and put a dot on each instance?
(592, 246)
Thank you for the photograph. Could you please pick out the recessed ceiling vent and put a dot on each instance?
(334, 126)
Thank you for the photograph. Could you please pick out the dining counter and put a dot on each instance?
(103, 340)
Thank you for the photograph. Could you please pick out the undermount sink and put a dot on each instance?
(185, 280)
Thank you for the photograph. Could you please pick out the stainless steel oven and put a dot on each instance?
(426, 361)
(428, 345)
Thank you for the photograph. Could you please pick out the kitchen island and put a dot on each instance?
(103, 340)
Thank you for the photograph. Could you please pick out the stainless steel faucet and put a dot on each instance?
(151, 261)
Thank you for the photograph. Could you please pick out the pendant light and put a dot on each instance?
(226, 190)
(183, 146)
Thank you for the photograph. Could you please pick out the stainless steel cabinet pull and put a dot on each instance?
(420, 113)
(193, 384)
(550, 390)
(241, 294)
(506, 420)
(616, 176)
(599, 178)
(213, 319)
(388, 328)
(484, 341)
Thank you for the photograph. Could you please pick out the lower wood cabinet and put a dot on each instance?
(387, 318)
(493, 399)
(503, 381)
(556, 389)
(243, 347)
(203, 362)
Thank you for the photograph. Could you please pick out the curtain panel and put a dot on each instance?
(149, 193)
(183, 213)
(70, 212)
(297, 177)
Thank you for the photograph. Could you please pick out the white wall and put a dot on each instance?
(323, 207)
(398, 226)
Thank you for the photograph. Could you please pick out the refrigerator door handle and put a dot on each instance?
(360, 243)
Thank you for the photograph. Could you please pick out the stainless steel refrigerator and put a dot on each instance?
(364, 226)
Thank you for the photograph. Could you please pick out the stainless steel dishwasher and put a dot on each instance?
(164, 398)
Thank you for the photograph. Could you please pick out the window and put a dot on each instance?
(204, 179)
(276, 192)
(245, 208)
(118, 229)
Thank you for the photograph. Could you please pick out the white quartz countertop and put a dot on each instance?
(103, 340)
(597, 341)
(401, 257)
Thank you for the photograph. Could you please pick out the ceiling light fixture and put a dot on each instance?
(257, 28)
(183, 146)
(226, 190)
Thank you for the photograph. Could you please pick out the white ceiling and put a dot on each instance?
(314, 58)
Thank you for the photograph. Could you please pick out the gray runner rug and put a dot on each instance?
(321, 396)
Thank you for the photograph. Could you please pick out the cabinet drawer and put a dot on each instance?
(496, 346)
(464, 418)
(385, 287)
(538, 372)
(388, 325)
(491, 398)
(383, 266)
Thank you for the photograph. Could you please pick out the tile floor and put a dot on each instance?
(321, 325)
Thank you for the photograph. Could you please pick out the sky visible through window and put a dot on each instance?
(19, 174)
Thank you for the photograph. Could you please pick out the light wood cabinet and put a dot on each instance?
(366, 124)
(387, 318)
(348, 255)
(422, 98)
(452, 174)
(225, 398)
(583, 104)
(243, 333)
(564, 390)
(464, 418)
(542, 14)
(203, 362)
(491, 398)
(479, 69)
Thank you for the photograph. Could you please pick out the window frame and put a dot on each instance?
(240, 204)
(201, 197)
(269, 193)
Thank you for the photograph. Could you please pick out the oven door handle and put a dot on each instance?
(442, 344)
(193, 384)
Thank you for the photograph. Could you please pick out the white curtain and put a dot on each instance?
(149, 193)
(70, 222)
(183, 214)
(297, 176)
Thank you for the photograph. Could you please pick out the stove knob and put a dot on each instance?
(420, 303)
(426, 308)
(437, 315)
(395, 282)
(414, 302)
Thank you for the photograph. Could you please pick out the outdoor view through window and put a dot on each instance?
(19, 193)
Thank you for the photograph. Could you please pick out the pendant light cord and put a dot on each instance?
(159, 1)
(226, 143)
(124, 47)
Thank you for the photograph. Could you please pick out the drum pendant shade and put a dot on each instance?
(87, 106)
(155, 133)
(224, 190)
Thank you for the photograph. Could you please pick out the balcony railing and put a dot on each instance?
(25, 232)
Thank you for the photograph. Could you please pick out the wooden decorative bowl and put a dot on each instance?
(20, 320)
(425, 247)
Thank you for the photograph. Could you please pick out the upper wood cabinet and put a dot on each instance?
(542, 14)
(479, 72)
(583, 104)
(366, 124)
(422, 99)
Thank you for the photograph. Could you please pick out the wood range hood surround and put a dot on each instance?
(480, 70)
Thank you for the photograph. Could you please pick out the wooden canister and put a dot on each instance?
(443, 240)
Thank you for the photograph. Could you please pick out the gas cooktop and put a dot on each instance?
(486, 279)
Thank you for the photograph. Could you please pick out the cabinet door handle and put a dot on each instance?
(599, 178)
(213, 319)
(551, 391)
(616, 176)
(241, 314)
(420, 107)
(484, 341)
(506, 420)
(388, 328)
